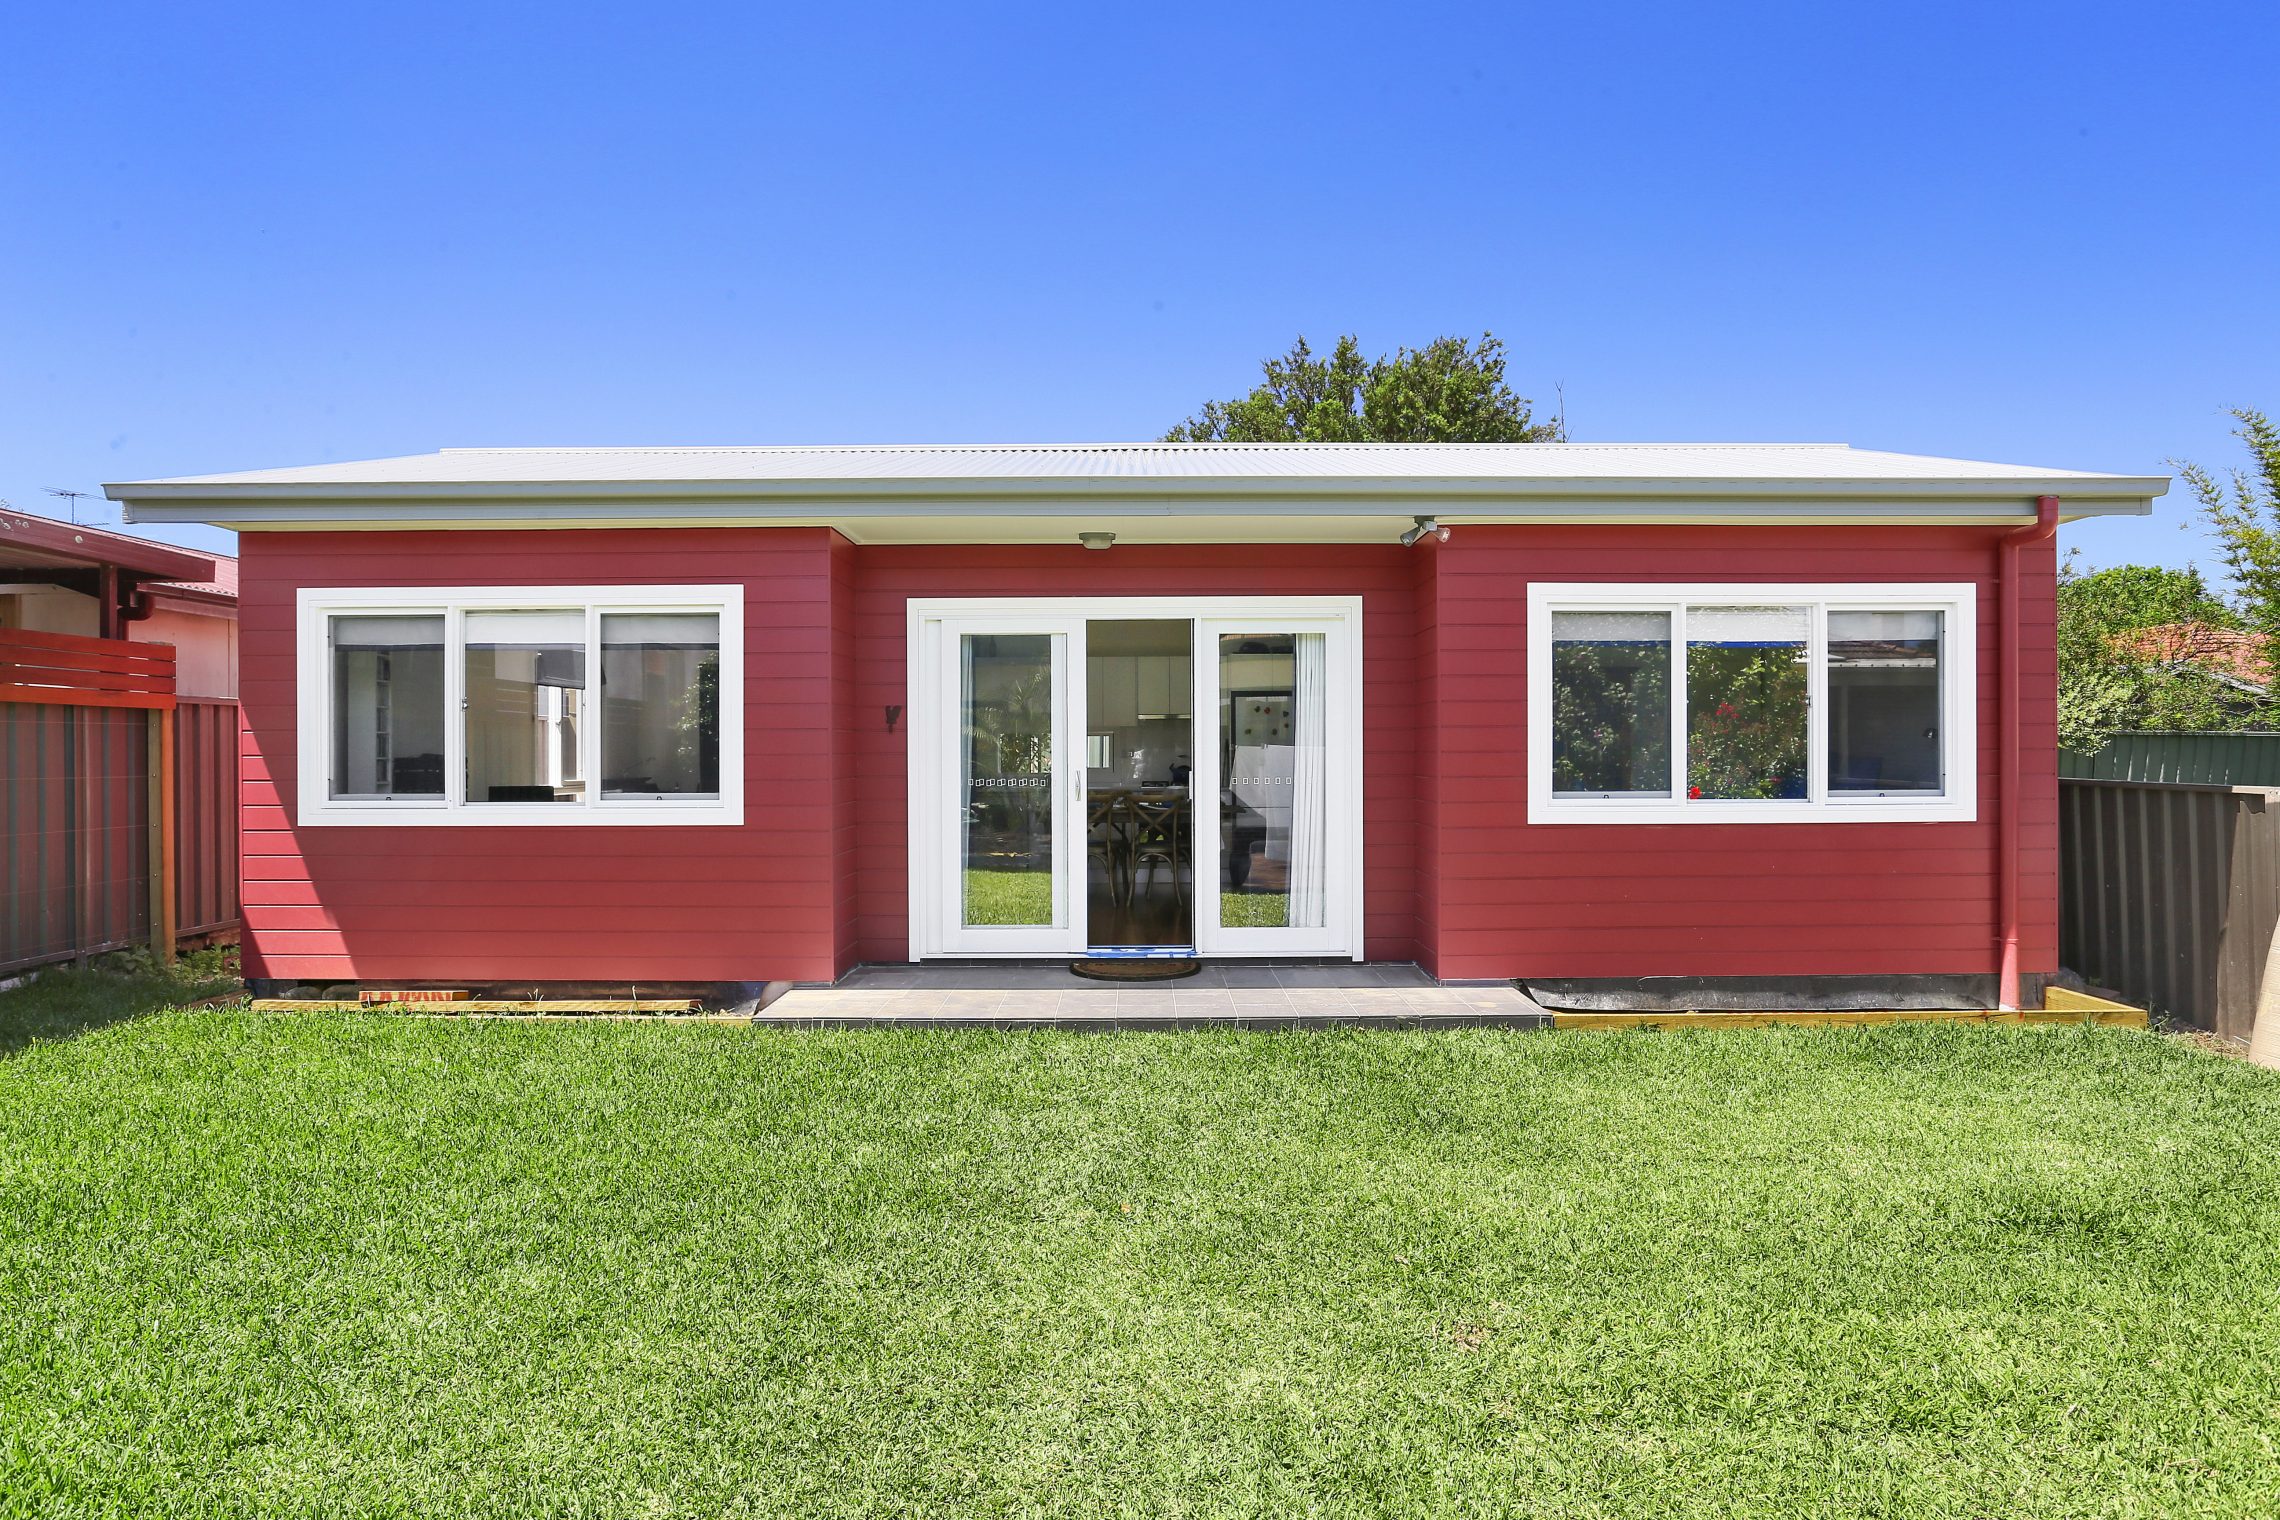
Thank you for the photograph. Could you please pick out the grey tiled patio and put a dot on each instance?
(1249, 994)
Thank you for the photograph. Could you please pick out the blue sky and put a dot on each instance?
(245, 236)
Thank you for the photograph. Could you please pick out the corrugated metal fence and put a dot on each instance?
(2247, 759)
(205, 816)
(2170, 893)
(75, 834)
(85, 725)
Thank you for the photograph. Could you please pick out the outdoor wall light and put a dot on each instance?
(1096, 540)
(1424, 526)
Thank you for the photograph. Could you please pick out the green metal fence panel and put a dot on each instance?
(2241, 759)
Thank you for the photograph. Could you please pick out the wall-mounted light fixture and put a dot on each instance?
(1424, 526)
(894, 711)
(1096, 540)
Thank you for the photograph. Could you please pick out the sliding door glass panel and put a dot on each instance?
(1274, 804)
(660, 704)
(1884, 702)
(525, 705)
(1611, 704)
(1005, 707)
(387, 706)
(1746, 702)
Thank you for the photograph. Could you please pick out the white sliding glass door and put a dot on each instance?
(1278, 783)
(1045, 824)
(1007, 841)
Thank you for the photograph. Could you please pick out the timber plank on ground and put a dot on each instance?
(2088, 1011)
(531, 1007)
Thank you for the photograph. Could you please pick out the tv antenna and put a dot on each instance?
(74, 498)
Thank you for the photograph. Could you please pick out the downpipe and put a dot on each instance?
(2009, 742)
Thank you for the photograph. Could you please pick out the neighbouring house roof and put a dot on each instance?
(2231, 654)
(1222, 491)
(28, 542)
(220, 587)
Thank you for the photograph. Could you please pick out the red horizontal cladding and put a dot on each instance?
(1686, 957)
(1507, 898)
(885, 578)
(540, 902)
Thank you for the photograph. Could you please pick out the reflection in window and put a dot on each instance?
(1006, 711)
(1884, 702)
(660, 704)
(1746, 702)
(1611, 703)
(526, 680)
(387, 706)
(1274, 805)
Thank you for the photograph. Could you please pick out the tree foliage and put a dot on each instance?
(2106, 685)
(1450, 391)
(2243, 509)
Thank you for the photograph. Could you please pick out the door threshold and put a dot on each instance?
(1139, 953)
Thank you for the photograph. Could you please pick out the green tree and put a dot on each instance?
(2243, 510)
(2104, 684)
(1450, 391)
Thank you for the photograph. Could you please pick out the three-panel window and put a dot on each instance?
(1751, 703)
(522, 705)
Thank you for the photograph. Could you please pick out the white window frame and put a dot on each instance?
(315, 607)
(1959, 703)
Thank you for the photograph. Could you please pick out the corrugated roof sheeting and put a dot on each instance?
(1522, 462)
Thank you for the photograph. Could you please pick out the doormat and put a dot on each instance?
(1137, 969)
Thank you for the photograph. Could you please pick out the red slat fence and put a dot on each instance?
(64, 670)
(102, 834)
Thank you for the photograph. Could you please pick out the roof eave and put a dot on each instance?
(35, 540)
(1475, 500)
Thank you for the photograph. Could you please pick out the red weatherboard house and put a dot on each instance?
(1556, 712)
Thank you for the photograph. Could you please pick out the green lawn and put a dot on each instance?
(1009, 897)
(1253, 910)
(363, 1264)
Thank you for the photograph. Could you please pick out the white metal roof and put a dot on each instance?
(1517, 462)
(952, 492)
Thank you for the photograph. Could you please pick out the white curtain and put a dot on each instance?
(1310, 801)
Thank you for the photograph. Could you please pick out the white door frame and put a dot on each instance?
(931, 700)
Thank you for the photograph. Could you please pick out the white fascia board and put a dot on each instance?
(1200, 490)
(581, 506)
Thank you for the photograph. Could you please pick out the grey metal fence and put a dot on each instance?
(2169, 893)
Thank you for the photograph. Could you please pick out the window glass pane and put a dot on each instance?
(1611, 703)
(1274, 800)
(1884, 702)
(661, 704)
(1746, 702)
(1006, 711)
(525, 702)
(387, 706)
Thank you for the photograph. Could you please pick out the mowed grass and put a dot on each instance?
(371, 1265)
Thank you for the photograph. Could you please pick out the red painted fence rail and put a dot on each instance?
(64, 670)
